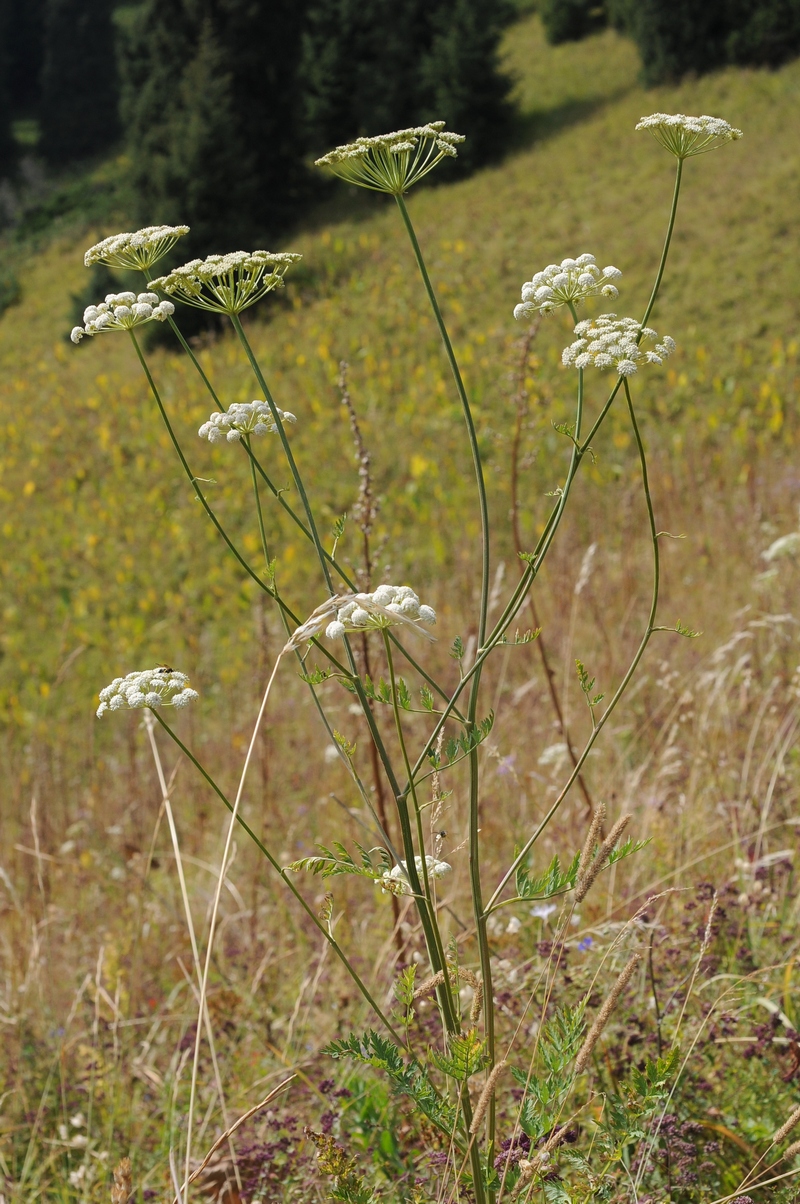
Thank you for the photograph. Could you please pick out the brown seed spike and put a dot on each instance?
(123, 1183)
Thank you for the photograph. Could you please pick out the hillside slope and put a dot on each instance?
(105, 560)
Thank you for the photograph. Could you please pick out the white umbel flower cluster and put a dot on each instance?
(386, 605)
(122, 311)
(227, 284)
(612, 342)
(242, 418)
(137, 251)
(393, 162)
(152, 688)
(685, 136)
(565, 283)
(395, 881)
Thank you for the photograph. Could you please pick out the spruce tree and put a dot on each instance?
(78, 112)
(207, 101)
(6, 140)
(370, 66)
(460, 78)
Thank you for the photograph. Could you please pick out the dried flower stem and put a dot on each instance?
(602, 1017)
(486, 1095)
(585, 882)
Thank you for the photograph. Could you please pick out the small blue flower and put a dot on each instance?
(585, 944)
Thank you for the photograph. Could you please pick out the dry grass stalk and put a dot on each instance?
(585, 882)
(601, 1019)
(486, 1095)
(595, 827)
(430, 984)
(786, 1129)
(123, 1182)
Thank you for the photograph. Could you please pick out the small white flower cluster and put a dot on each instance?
(395, 881)
(149, 688)
(242, 418)
(122, 311)
(386, 605)
(227, 284)
(137, 251)
(393, 162)
(612, 342)
(571, 281)
(685, 136)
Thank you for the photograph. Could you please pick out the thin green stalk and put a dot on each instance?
(651, 626)
(195, 361)
(349, 582)
(262, 532)
(426, 886)
(462, 393)
(670, 227)
(192, 479)
(298, 480)
(360, 984)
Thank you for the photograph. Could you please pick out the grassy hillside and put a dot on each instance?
(106, 563)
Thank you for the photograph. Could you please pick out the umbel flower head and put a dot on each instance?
(395, 881)
(122, 311)
(137, 251)
(393, 162)
(612, 342)
(387, 606)
(227, 284)
(242, 418)
(568, 282)
(685, 136)
(152, 688)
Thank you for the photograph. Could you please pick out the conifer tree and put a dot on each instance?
(371, 66)
(6, 141)
(78, 111)
(207, 102)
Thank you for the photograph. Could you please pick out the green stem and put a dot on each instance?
(670, 227)
(196, 362)
(298, 480)
(265, 549)
(474, 854)
(462, 393)
(192, 479)
(360, 984)
(349, 582)
(651, 623)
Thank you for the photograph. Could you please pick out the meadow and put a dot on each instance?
(108, 564)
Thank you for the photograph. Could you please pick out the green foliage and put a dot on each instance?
(370, 66)
(458, 747)
(405, 986)
(406, 1078)
(383, 692)
(554, 880)
(332, 863)
(587, 685)
(208, 109)
(570, 20)
(78, 112)
(546, 1092)
(347, 1184)
(627, 849)
(466, 1056)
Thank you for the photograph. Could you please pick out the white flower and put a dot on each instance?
(139, 250)
(122, 311)
(543, 910)
(786, 545)
(393, 162)
(571, 281)
(242, 418)
(395, 881)
(227, 284)
(612, 342)
(385, 606)
(148, 688)
(685, 136)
